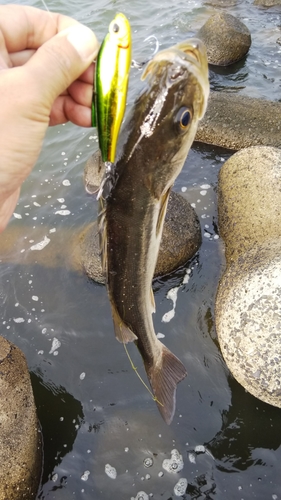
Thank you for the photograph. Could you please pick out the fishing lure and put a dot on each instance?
(111, 85)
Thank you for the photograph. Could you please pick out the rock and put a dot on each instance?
(226, 38)
(267, 3)
(248, 314)
(234, 121)
(180, 241)
(20, 450)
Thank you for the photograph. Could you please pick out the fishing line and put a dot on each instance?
(139, 65)
(142, 381)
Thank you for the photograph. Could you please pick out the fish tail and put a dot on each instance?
(164, 375)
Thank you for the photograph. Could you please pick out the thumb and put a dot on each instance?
(59, 62)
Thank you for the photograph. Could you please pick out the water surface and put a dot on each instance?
(93, 410)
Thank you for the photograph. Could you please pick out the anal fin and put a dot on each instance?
(122, 331)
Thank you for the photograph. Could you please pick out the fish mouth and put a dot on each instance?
(188, 55)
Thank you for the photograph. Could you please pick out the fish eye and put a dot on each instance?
(183, 117)
(115, 28)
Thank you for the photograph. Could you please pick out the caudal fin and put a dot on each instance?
(164, 375)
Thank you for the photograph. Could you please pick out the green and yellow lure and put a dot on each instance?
(111, 85)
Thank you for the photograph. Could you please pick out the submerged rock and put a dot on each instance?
(234, 121)
(248, 313)
(20, 450)
(227, 39)
(180, 240)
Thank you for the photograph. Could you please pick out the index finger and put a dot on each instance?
(25, 27)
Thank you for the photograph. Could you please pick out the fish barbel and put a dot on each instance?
(158, 136)
(111, 85)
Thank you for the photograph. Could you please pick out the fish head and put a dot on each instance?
(120, 31)
(165, 116)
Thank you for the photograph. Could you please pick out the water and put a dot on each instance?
(93, 410)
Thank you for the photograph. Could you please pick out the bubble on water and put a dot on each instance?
(180, 487)
(19, 320)
(63, 206)
(53, 230)
(141, 495)
(172, 295)
(173, 464)
(183, 189)
(62, 212)
(17, 216)
(82, 375)
(35, 298)
(66, 182)
(85, 475)
(42, 244)
(55, 477)
(44, 330)
(110, 471)
(61, 200)
(126, 449)
(148, 462)
(160, 474)
(55, 345)
(203, 193)
(191, 458)
(205, 186)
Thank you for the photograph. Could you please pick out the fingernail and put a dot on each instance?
(84, 41)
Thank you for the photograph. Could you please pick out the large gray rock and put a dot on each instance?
(227, 39)
(20, 450)
(180, 241)
(234, 121)
(248, 312)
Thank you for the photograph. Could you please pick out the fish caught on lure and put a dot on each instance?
(111, 85)
(157, 137)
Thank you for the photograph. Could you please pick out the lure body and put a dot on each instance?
(111, 84)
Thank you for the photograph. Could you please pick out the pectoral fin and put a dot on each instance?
(162, 212)
(122, 332)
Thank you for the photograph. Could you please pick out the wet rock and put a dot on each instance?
(267, 3)
(20, 450)
(234, 121)
(226, 38)
(248, 314)
(180, 240)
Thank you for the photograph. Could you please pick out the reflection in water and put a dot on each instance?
(245, 428)
(60, 416)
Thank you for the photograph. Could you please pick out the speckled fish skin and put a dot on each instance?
(111, 84)
(157, 138)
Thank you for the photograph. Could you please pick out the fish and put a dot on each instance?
(155, 141)
(111, 85)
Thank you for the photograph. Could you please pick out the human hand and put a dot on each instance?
(46, 79)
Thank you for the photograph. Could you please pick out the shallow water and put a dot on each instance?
(93, 410)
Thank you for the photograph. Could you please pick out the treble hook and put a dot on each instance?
(139, 65)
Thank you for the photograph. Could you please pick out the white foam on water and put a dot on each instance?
(141, 495)
(55, 345)
(110, 471)
(191, 458)
(85, 475)
(62, 212)
(19, 320)
(17, 216)
(173, 464)
(160, 335)
(66, 182)
(200, 448)
(42, 244)
(35, 298)
(61, 200)
(180, 487)
(205, 186)
(82, 375)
